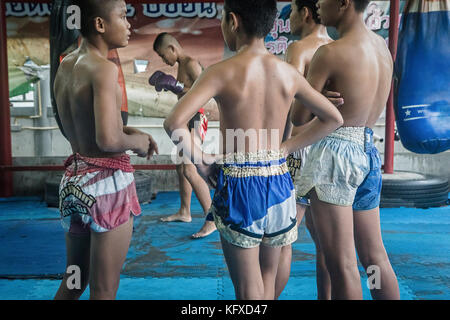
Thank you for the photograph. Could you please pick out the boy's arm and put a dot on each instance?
(110, 136)
(294, 58)
(207, 86)
(303, 115)
(328, 118)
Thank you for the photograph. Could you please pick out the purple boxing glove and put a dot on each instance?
(163, 81)
(154, 78)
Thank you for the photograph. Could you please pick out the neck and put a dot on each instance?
(317, 30)
(97, 45)
(350, 22)
(253, 44)
(182, 57)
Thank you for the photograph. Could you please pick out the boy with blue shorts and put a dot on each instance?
(254, 201)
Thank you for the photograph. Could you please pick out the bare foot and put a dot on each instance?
(177, 217)
(208, 228)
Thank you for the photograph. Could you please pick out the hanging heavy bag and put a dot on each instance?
(422, 77)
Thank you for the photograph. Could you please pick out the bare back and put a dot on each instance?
(257, 94)
(360, 68)
(74, 94)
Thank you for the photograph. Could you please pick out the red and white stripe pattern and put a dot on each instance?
(110, 181)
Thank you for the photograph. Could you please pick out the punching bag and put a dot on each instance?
(422, 77)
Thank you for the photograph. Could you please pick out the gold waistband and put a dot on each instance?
(253, 157)
(262, 171)
(353, 134)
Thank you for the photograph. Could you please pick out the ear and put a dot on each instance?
(345, 4)
(171, 47)
(235, 21)
(307, 14)
(304, 12)
(99, 24)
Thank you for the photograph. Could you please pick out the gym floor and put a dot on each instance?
(164, 264)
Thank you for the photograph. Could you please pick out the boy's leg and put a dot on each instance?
(184, 214)
(208, 227)
(322, 275)
(269, 259)
(201, 190)
(108, 254)
(284, 267)
(334, 226)
(284, 270)
(199, 186)
(245, 271)
(371, 252)
(78, 253)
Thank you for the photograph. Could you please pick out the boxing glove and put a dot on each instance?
(162, 81)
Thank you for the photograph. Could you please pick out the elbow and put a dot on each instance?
(338, 120)
(107, 144)
(169, 126)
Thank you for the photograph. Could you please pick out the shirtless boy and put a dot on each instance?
(345, 184)
(254, 201)
(304, 23)
(170, 50)
(97, 194)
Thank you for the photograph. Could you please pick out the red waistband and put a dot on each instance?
(117, 163)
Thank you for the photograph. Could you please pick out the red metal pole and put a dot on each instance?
(6, 179)
(390, 115)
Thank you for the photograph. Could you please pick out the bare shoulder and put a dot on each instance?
(226, 68)
(297, 46)
(307, 43)
(217, 74)
(103, 69)
(65, 69)
(193, 63)
(327, 54)
(68, 62)
(383, 47)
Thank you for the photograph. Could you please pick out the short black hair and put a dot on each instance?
(311, 5)
(258, 16)
(90, 9)
(157, 44)
(360, 5)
